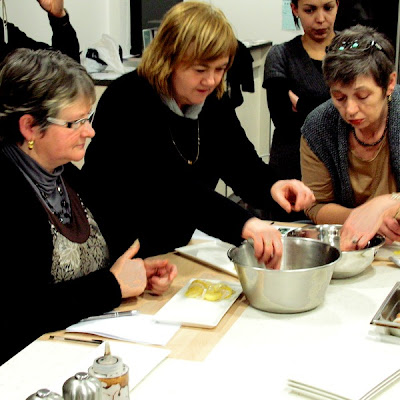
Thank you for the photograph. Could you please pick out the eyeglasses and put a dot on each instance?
(72, 124)
(354, 45)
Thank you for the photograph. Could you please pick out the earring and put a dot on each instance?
(31, 144)
(389, 98)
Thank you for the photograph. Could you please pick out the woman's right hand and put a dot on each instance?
(390, 229)
(130, 273)
(267, 241)
(366, 220)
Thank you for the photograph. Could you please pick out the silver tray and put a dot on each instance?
(388, 311)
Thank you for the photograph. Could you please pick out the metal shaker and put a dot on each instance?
(113, 375)
(82, 386)
(44, 394)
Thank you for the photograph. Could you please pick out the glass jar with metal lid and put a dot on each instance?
(113, 375)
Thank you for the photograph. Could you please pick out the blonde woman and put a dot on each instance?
(167, 133)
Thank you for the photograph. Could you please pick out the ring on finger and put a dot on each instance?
(355, 240)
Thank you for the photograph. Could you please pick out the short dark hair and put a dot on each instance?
(296, 19)
(357, 51)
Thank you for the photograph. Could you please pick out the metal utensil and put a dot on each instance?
(395, 261)
(352, 262)
(387, 312)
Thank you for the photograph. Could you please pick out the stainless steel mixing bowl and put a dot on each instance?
(353, 262)
(299, 285)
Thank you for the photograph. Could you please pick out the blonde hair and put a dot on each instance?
(190, 31)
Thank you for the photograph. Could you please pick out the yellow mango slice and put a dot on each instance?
(209, 291)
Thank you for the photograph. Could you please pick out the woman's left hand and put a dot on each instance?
(53, 7)
(160, 274)
(292, 195)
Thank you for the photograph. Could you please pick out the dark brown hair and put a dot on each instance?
(357, 51)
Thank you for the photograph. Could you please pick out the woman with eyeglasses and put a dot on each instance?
(350, 144)
(168, 132)
(295, 85)
(54, 257)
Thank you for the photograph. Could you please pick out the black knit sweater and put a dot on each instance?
(64, 38)
(33, 304)
(143, 188)
(288, 66)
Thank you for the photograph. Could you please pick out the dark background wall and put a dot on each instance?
(380, 14)
(146, 14)
(154, 10)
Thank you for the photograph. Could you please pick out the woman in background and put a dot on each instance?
(350, 148)
(166, 134)
(295, 85)
(54, 256)
(63, 38)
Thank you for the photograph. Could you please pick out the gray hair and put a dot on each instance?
(359, 51)
(40, 83)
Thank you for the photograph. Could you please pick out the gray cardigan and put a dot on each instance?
(327, 135)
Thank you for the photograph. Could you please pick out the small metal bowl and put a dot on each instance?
(353, 262)
(299, 285)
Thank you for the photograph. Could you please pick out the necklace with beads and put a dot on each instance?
(189, 162)
(360, 142)
(64, 213)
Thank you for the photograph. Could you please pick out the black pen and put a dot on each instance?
(86, 341)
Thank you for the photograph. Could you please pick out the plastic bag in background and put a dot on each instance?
(104, 56)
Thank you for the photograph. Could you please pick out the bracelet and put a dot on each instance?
(396, 196)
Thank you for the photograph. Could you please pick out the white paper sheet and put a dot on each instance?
(347, 371)
(48, 364)
(138, 328)
(213, 253)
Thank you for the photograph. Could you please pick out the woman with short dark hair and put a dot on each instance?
(350, 149)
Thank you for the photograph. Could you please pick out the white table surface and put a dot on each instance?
(255, 356)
